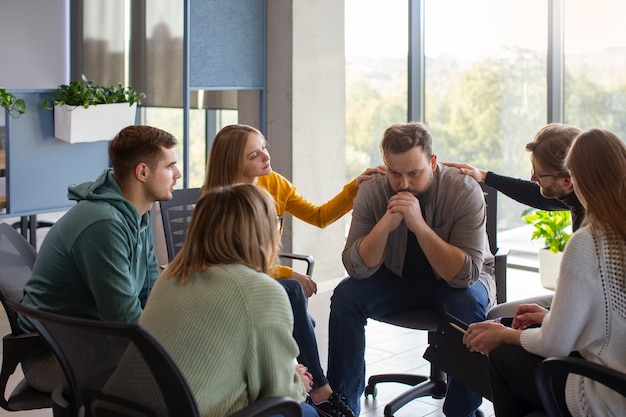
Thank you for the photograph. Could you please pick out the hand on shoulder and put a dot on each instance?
(369, 172)
(478, 174)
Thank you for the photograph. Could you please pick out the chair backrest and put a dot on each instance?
(501, 255)
(17, 258)
(90, 351)
(491, 203)
(176, 215)
(554, 369)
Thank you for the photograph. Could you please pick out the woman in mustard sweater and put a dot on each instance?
(239, 154)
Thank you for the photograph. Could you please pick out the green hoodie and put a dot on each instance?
(98, 260)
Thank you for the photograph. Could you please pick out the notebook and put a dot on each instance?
(447, 351)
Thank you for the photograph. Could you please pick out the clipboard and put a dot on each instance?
(448, 353)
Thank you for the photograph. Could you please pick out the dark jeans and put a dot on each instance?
(512, 380)
(354, 301)
(303, 331)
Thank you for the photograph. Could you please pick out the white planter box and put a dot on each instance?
(549, 267)
(97, 122)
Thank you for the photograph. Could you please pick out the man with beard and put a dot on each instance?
(417, 240)
(550, 188)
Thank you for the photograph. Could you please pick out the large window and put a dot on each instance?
(376, 76)
(488, 79)
(595, 65)
(485, 84)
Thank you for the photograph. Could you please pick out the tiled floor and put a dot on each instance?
(389, 349)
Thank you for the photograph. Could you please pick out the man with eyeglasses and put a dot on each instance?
(550, 187)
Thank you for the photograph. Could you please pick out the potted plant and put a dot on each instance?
(15, 107)
(555, 228)
(87, 112)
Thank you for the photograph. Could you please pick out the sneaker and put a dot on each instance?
(334, 406)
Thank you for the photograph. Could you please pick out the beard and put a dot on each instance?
(554, 191)
(419, 193)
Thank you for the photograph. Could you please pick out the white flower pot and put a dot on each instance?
(549, 266)
(97, 122)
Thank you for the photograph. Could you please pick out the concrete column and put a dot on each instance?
(306, 116)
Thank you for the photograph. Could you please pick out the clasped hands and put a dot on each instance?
(404, 206)
(305, 377)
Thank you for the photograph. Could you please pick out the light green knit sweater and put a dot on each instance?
(230, 332)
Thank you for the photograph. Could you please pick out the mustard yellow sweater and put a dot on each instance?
(289, 201)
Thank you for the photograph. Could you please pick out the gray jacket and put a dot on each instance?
(454, 208)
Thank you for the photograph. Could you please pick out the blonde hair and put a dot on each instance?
(225, 164)
(234, 224)
(597, 162)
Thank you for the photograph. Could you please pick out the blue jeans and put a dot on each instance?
(307, 411)
(354, 301)
(303, 331)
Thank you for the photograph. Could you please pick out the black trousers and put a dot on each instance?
(512, 380)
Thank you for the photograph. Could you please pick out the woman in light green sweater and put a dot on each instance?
(210, 307)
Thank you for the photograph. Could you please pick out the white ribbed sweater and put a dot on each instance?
(588, 315)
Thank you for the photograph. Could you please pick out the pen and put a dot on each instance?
(459, 328)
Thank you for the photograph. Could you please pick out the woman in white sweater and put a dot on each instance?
(588, 314)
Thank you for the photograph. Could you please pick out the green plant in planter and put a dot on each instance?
(15, 107)
(85, 93)
(552, 226)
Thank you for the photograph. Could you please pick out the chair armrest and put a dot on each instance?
(61, 407)
(306, 258)
(14, 349)
(551, 367)
(283, 406)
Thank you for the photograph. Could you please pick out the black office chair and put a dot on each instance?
(94, 356)
(551, 368)
(435, 384)
(176, 214)
(17, 258)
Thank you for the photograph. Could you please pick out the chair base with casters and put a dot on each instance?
(434, 385)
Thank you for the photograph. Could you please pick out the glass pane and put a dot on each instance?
(485, 85)
(104, 41)
(171, 120)
(163, 71)
(376, 76)
(595, 57)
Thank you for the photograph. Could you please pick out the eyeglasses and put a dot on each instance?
(536, 178)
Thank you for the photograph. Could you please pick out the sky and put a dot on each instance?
(473, 28)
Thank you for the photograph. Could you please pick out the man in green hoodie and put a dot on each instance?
(98, 261)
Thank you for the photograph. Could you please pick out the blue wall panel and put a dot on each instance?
(39, 166)
(227, 44)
